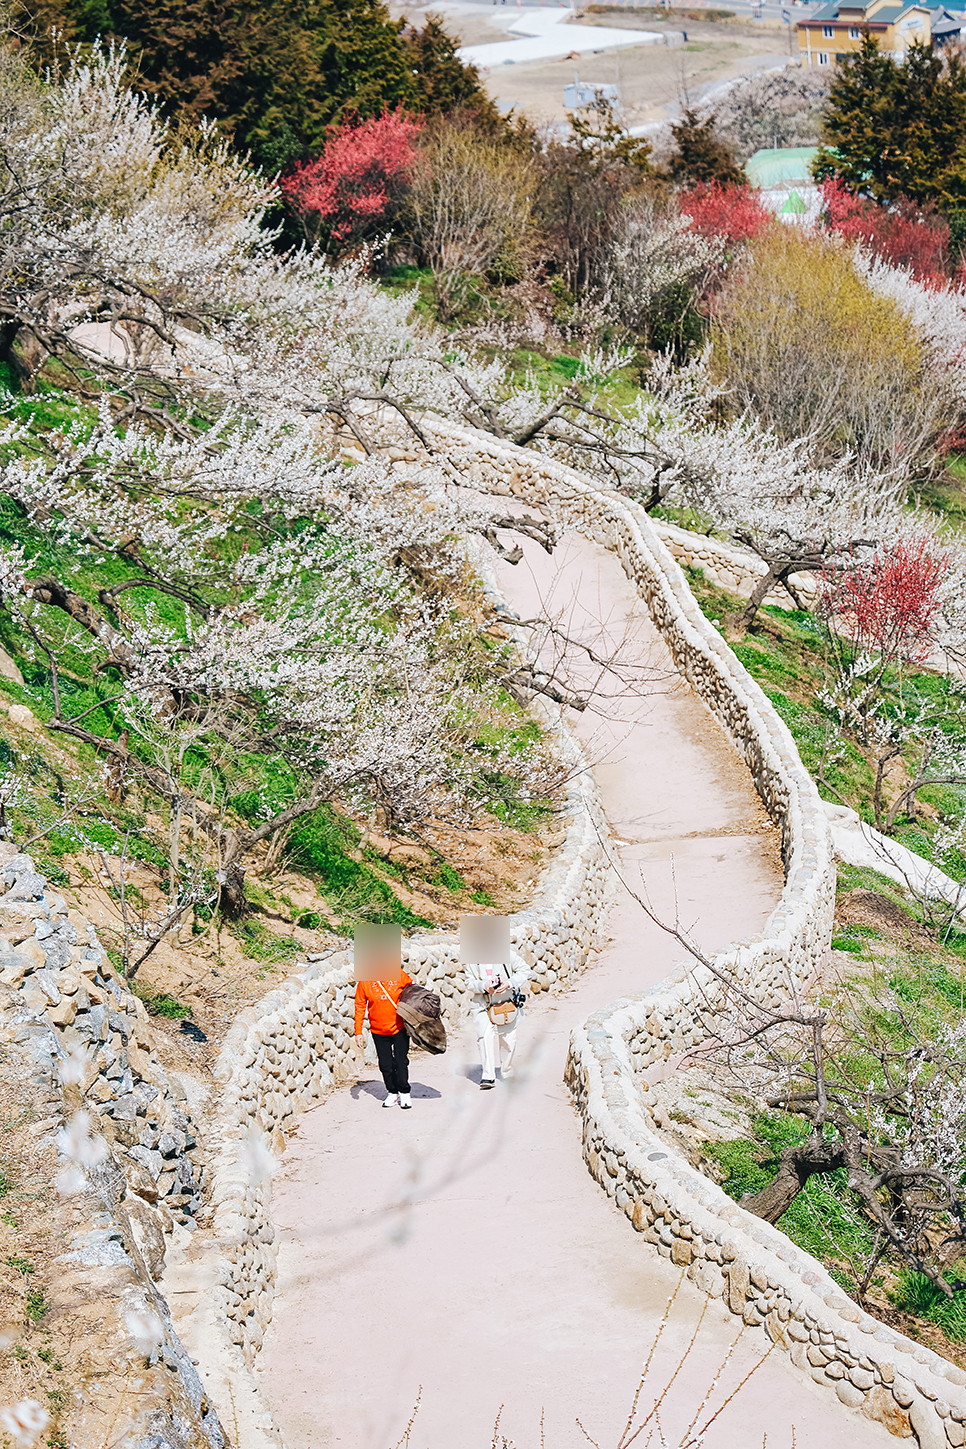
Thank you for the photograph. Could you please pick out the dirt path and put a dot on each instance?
(461, 1251)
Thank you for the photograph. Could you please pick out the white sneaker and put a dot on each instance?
(392, 1100)
(405, 1100)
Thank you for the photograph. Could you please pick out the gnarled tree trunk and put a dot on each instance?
(796, 1166)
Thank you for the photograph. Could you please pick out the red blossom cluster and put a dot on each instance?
(905, 234)
(348, 188)
(732, 212)
(890, 605)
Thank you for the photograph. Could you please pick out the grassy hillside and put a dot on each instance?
(94, 828)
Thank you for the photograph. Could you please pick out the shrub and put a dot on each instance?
(653, 272)
(675, 324)
(905, 233)
(346, 192)
(700, 155)
(468, 209)
(805, 344)
(581, 199)
(731, 212)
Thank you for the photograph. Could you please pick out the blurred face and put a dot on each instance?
(485, 939)
(377, 953)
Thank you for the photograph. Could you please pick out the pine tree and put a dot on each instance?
(443, 81)
(275, 74)
(701, 156)
(894, 130)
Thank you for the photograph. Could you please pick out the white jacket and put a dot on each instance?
(481, 974)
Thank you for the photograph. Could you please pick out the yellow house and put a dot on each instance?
(835, 30)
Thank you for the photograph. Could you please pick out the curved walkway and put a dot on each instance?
(461, 1252)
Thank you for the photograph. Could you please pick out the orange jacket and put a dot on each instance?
(384, 1019)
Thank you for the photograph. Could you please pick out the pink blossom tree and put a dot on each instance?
(890, 604)
(346, 192)
(731, 212)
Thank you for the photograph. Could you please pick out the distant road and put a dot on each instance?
(773, 11)
(540, 34)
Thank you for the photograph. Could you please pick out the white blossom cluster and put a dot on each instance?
(928, 1126)
(311, 628)
(81, 1152)
(293, 573)
(937, 313)
(105, 214)
(652, 253)
(24, 1422)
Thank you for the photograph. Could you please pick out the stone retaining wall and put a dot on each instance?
(284, 1054)
(59, 998)
(728, 1252)
(736, 569)
(734, 1256)
(798, 931)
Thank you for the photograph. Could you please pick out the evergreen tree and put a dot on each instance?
(579, 201)
(700, 155)
(443, 81)
(275, 74)
(893, 130)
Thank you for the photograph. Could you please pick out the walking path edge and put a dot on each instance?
(294, 1047)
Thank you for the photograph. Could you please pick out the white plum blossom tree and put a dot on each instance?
(24, 1422)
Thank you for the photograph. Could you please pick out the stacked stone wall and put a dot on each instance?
(728, 1253)
(63, 1007)
(284, 1054)
(735, 569)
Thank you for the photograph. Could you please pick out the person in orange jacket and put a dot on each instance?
(378, 997)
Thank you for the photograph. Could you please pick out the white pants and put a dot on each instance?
(495, 1042)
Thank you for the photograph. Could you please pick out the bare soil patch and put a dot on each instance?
(869, 908)
(652, 78)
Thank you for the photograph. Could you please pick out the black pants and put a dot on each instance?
(393, 1054)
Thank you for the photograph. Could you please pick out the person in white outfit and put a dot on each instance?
(493, 984)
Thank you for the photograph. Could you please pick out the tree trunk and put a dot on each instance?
(796, 1165)
(779, 571)
(232, 882)
(22, 366)
(878, 804)
(775, 575)
(117, 768)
